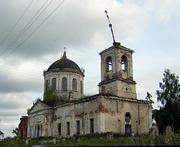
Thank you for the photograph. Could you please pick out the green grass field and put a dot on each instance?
(85, 141)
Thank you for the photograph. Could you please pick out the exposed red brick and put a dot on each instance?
(102, 108)
(23, 126)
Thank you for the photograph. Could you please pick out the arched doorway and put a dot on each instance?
(128, 129)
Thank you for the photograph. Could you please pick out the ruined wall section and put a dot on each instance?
(39, 124)
(114, 113)
(71, 113)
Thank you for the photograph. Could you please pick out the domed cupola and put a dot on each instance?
(65, 65)
(65, 78)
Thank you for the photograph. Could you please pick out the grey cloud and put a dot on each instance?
(12, 107)
(74, 25)
(10, 104)
(10, 112)
(81, 26)
(7, 127)
(70, 25)
(13, 85)
(15, 103)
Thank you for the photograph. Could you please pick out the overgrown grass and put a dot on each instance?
(86, 141)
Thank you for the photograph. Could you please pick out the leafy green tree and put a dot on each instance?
(169, 96)
(51, 98)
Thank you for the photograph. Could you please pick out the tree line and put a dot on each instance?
(169, 97)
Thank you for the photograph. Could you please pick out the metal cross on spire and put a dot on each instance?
(64, 54)
(64, 49)
(110, 25)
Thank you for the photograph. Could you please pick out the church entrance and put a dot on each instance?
(128, 129)
(38, 131)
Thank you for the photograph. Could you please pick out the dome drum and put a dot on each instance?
(65, 78)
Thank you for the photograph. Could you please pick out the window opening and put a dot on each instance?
(109, 64)
(127, 117)
(68, 128)
(54, 84)
(78, 127)
(46, 84)
(91, 126)
(59, 128)
(81, 86)
(124, 63)
(64, 83)
(127, 123)
(74, 84)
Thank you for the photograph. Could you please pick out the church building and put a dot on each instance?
(114, 109)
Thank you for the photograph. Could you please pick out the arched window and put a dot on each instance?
(54, 84)
(127, 117)
(46, 84)
(64, 83)
(128, 129)
(81, 86)
(74, 84)
(124, 63)
(109, 63)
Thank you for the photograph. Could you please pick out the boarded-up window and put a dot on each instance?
(64, 83)
(74, 84)
(54, 84)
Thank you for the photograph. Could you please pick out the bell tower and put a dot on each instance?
(117, 70)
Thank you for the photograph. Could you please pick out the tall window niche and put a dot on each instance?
(64, 83)
(54, 84)
(68, 128)
(74, 84)
(81, 86)
(46, 85)
(109, 64)
(59, 129)
(124, 63)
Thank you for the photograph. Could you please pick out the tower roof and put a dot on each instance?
(118, 46)
(65, 65)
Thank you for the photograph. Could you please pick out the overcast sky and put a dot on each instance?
(31, 39)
